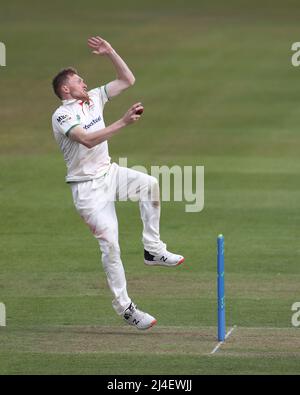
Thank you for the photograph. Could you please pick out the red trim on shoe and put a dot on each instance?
(150, 326)
(180, 262)
(153, 323)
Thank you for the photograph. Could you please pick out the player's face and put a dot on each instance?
(77, 87)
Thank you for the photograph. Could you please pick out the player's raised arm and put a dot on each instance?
(125, 78)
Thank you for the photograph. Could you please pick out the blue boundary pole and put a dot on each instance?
(221, 289)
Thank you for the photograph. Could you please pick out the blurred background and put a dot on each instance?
(219, 91)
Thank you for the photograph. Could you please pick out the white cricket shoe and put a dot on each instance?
(164, 259)
(135, 317)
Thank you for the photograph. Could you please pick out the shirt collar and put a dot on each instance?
(72, 101)
(69, 101)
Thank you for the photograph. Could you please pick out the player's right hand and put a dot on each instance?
(99, 46)
(131, 115)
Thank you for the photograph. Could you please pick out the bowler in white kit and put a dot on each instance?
(96, 182)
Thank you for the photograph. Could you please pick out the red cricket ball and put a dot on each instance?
(140, 111)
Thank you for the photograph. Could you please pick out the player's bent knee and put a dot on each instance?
(110, 252)
(154, 191)
(152, 180)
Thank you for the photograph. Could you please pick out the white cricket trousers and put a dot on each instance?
(95, 202)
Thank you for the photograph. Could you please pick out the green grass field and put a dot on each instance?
(219, 90)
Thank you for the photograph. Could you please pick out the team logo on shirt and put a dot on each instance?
(93, 122)
(63, 118)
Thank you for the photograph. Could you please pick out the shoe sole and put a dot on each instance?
(146, 327)
(150, 263)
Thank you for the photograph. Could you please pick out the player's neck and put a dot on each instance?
(81, 98)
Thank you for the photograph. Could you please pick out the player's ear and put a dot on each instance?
(65, 89)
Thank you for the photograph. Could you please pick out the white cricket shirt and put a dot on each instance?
(83, 163)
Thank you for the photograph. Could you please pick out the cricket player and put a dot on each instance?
(96, 182)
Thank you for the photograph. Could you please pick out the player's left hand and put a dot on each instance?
(99, 46)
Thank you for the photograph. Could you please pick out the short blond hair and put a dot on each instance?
(61, 78)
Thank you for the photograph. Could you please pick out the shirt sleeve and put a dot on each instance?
(64, 121)
(104, 94)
